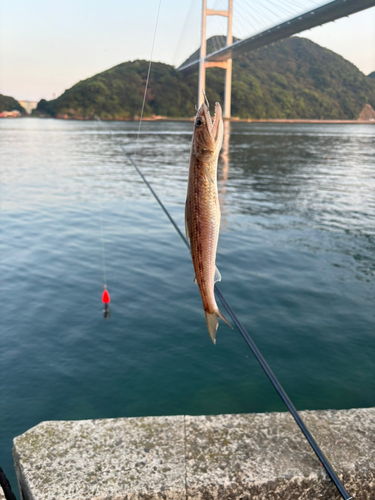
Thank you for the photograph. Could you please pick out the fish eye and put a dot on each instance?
(198, 122)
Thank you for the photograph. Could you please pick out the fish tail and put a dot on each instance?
(212, 325)
(212, 321)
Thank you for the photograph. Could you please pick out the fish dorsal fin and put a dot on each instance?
(217, 276)
(207, 174)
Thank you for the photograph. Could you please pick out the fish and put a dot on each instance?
(202, 209)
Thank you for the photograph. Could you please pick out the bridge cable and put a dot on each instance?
(263, 363)
(183, 32)
(259, 16)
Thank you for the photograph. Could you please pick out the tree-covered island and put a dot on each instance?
(291, 79)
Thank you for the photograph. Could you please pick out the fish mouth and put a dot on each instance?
(215, 122)
(212, 124)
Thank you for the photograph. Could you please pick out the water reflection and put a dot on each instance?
(297, 260)
(330, 178)
(223, 173)
(321, 183)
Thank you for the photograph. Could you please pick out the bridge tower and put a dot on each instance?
(203, 64)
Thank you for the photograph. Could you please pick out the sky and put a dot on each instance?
(48, 46)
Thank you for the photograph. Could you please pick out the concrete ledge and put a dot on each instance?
(244, 457)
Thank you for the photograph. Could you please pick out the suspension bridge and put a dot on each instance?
(222, 57)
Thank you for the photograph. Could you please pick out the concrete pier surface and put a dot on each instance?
(244, 457)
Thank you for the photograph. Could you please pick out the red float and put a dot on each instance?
(105, 297)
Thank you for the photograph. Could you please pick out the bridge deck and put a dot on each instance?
(324, 14)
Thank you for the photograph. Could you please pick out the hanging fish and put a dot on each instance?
(106, 299)
(202, 210)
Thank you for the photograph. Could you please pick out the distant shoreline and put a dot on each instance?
(281, 120)
(232, 120)
(249, 120)
(265, 120)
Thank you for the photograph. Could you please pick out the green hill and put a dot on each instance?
(372, 75)
(118, 93)
(293, 78)
(7, 103)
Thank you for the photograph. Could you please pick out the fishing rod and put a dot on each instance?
(263, 363)
(6, 487)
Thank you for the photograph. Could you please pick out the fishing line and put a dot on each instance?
(105, 296)
(147, 79)
(102, 240)
(106, 299)
(263, 363)
(323, 459)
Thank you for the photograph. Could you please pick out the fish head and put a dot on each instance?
(208, 134)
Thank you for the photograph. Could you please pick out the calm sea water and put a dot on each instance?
(296, 253)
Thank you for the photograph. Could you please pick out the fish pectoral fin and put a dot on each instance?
(208, 175)
(217, 276)
(195, 280)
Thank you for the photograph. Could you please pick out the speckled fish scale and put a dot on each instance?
(202, 213)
